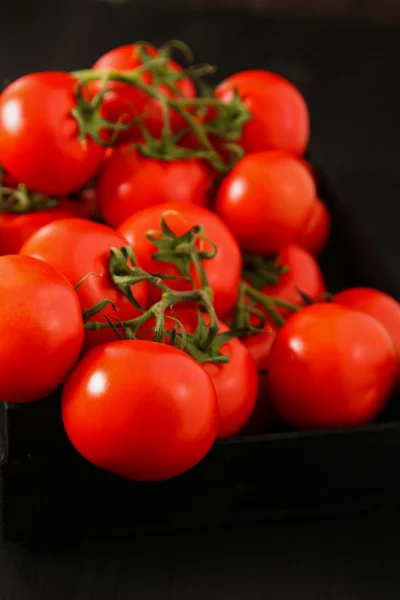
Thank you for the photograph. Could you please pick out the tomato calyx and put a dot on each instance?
(90, 123)
(263, 270)
(226, 126)
(20, 199)
(125, 273)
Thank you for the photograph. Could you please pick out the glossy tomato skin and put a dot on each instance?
(140, 409)
(235, 382)
(266, 201)
(16, 228)
(78, 247)
(279, 113)
(39, 137)
(303, 275)
(223, 271)
(379, 305)
(41, 328)
(131, 182)
(331, 366)
(124, 103)
(315, 234)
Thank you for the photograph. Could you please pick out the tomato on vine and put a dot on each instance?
(80, 248)
(266, 201)
(131, 182)
(331, 366)
(165, 252)
(42, 144)
(127, 409)
(128, 103)
(279, 114)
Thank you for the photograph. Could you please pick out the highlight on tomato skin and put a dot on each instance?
(41, 329)
(127, 408)
(343, 367)
(280, 119)
(266, 201)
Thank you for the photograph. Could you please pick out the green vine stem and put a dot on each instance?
(227, 124)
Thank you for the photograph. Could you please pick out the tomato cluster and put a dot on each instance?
(159, 246)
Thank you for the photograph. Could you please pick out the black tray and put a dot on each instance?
(48, 490)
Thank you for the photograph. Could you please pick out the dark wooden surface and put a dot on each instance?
(348, 75)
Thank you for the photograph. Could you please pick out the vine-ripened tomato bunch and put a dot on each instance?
(159, 245)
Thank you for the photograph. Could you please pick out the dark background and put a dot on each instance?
(345, 61)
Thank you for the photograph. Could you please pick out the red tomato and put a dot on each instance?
(16, 228)
(127, 408)
(382, 307)
(39, 137)
(41, 328)
(303, 275)
(331, 366)
(77, 247)
(223, 271)
(266, 200)
(124, 103)
(235, 382)
(279, 113)
(264, 416)
(316, 232)
(130, 182)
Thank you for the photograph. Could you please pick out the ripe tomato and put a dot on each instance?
(78, 247)
(127, 408)
(316, 232)
(280, 118)
(382, 307)
(331, 366)
(235, 382)
(126, 103)
(223, 271)
(130, 182)
(303, 275)
(39, 142)
(16, 228)
(41, 328)
(264, 416)
(266, 200)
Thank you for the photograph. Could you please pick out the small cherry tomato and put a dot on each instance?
(266, 200)
(235, 382)
(223, 270)
(41, 328)
(40, 142)
(264, 416)
(315, 234)
(303, 275)
(140, 409)
(279, 113)
(382, 307)
(131, 182)
(77, 248)
(331, 366)
(125, 103)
